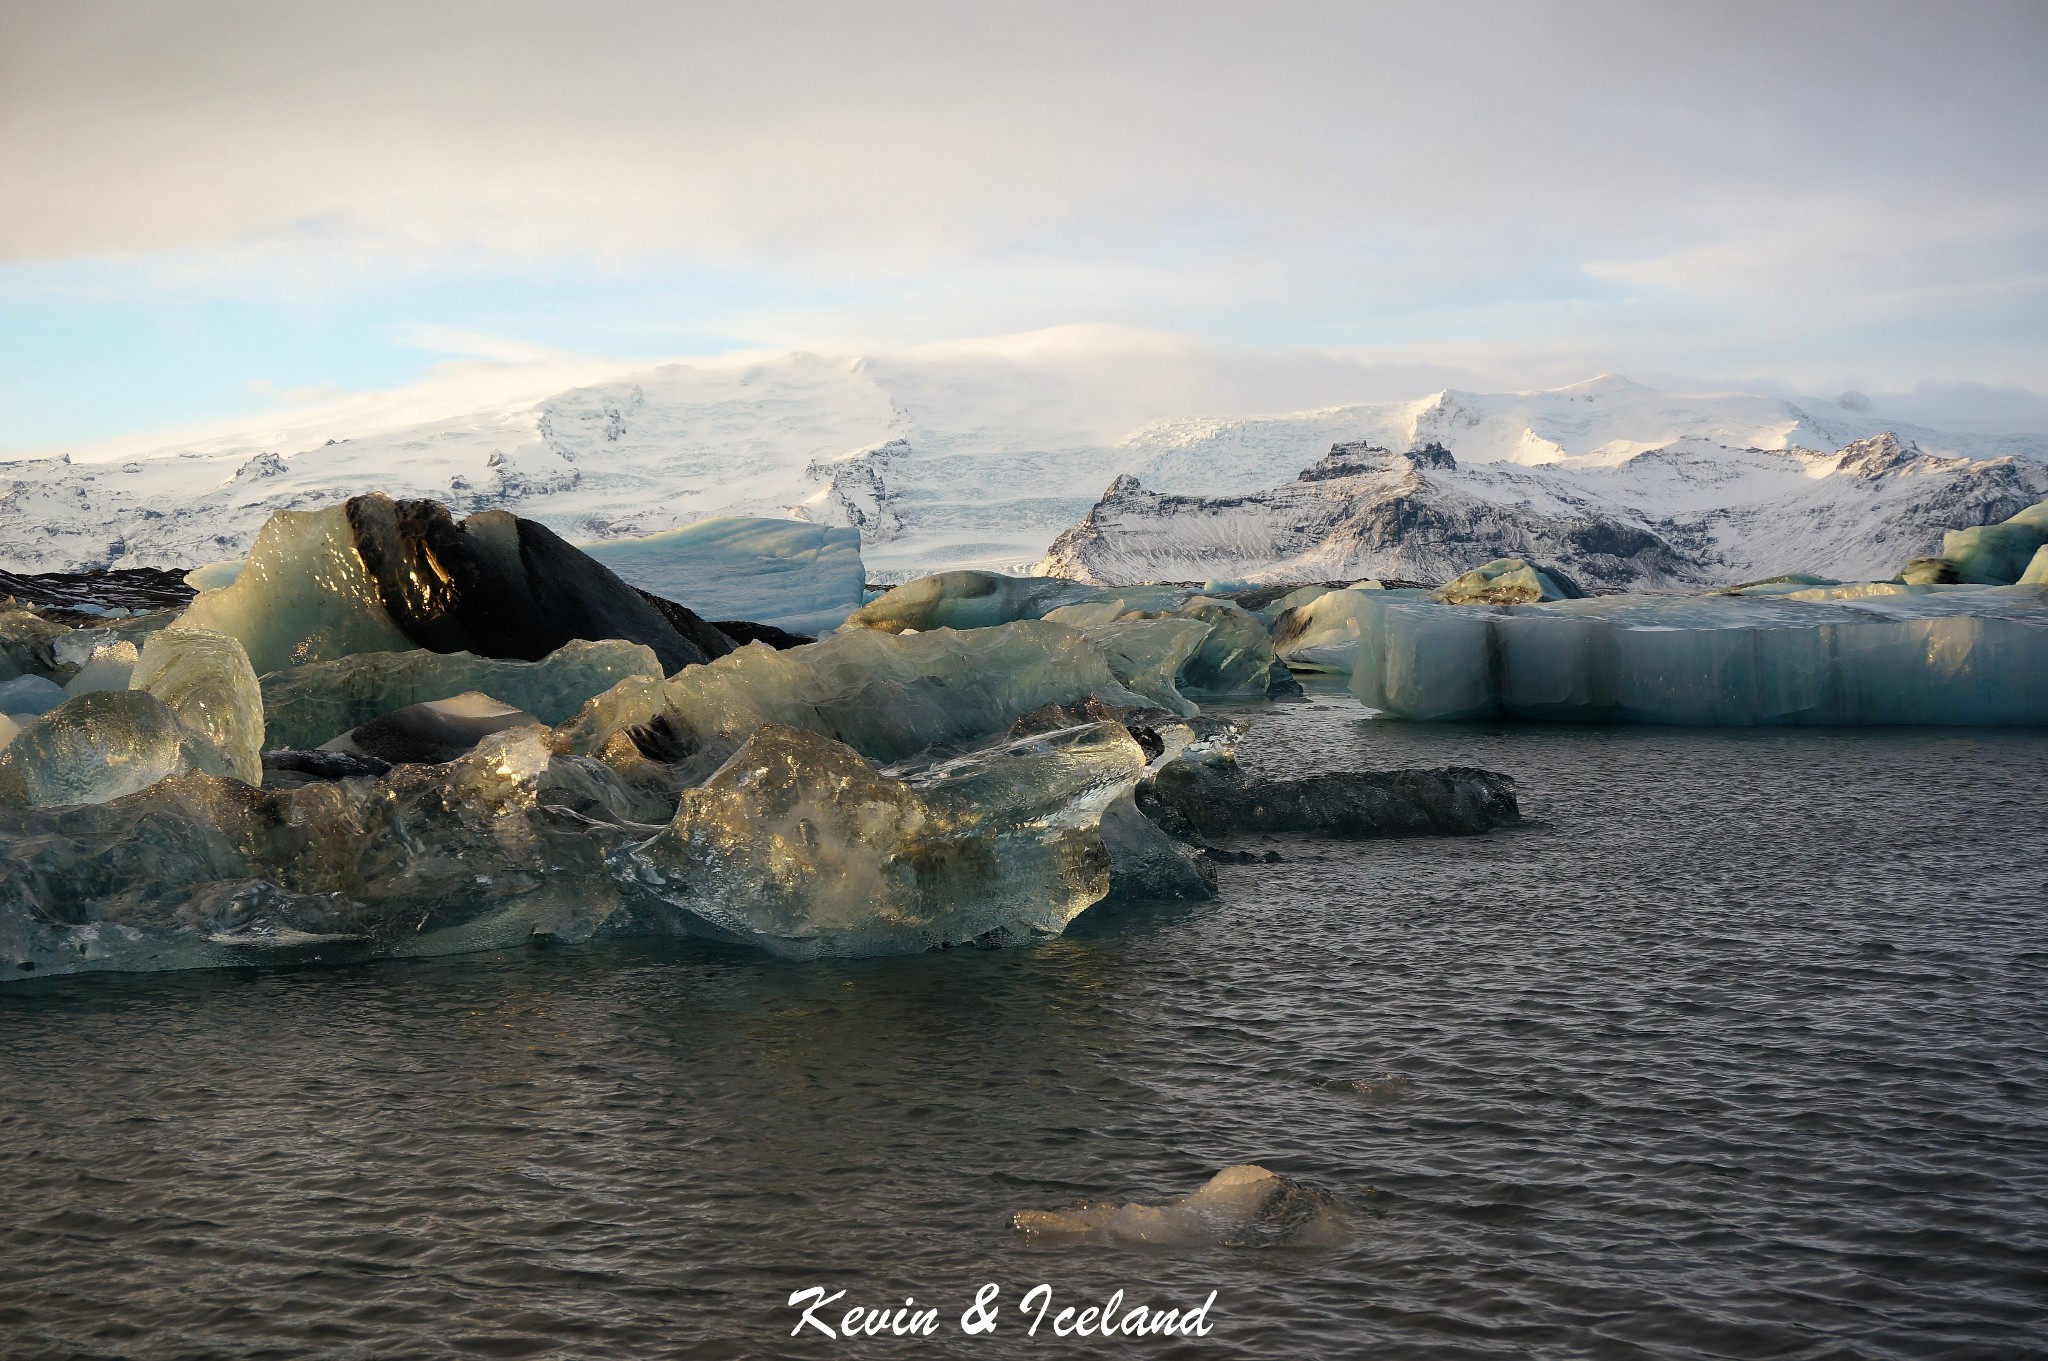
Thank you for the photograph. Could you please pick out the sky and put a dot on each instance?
(213, 211)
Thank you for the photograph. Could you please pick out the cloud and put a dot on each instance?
(1819, 192)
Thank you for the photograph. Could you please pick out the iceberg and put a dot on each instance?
(305, 706)
(1508, 581)
(1855, 654)
(1149, 655)
(887, 696)
(205, 679)
(2037, 570)
(967, 600)
(1321, 632)
(1233, 660)
(1999, 554)
(376, 575)
(94, 749)
(196, 871)
(798, 845)
(28, 645)
(303, 596)
(790, 573)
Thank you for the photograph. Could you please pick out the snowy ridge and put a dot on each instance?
(980, 458)
(1691, 513)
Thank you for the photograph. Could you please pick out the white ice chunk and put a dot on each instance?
(304, 596)
(1320, 632)
(1241, 1205)
(1508, 581)
(214, 575)
(9, 730)
(206, 680)
(790, 573)
(798, 845)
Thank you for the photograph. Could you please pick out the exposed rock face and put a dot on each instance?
(1686, 515)
(1201, 796)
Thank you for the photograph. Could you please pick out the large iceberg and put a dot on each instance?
(1869, 653)
(791, 573)
(798, 845)
(376, 575)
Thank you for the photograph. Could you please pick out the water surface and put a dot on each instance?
(1737, 1050)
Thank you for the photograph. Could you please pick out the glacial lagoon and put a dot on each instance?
(1733, 1048)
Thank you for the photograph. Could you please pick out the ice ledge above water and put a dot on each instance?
(1870, 653)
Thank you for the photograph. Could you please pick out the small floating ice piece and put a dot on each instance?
(1241, 1206)
(110, 667)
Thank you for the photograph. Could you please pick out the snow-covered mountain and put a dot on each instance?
(951, 459)
(1690, 513)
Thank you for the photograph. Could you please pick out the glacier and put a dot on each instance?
(943, 461)
(793, 574)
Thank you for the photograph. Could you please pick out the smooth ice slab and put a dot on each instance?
(798, 845)
(1863, 653)
(307, 705)
(790, 573)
